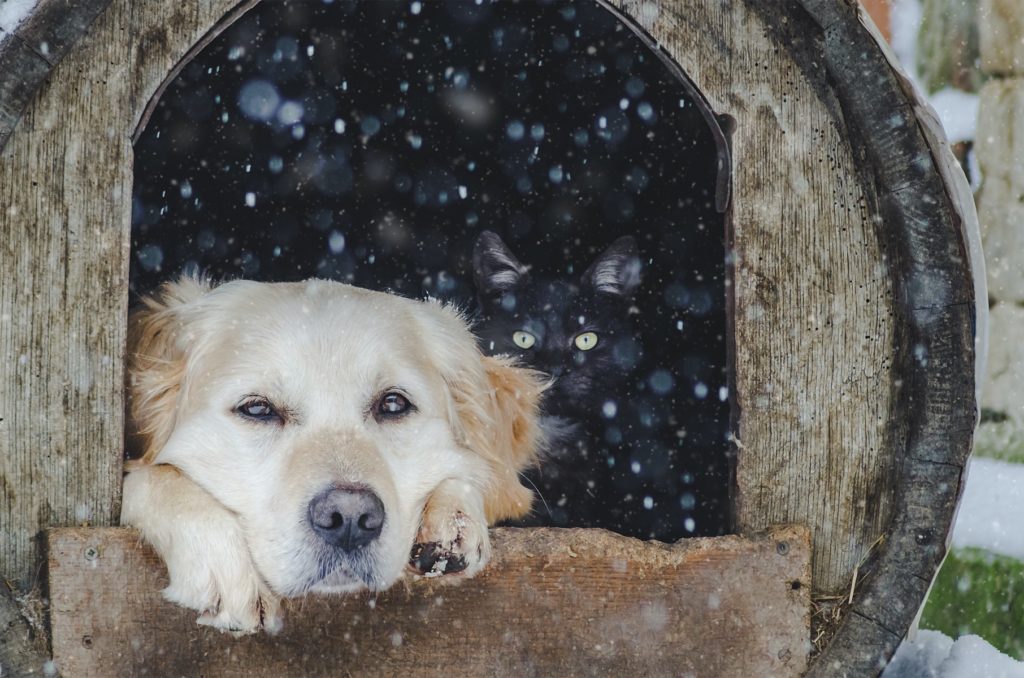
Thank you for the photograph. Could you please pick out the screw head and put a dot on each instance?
(92, 553)
(782, 548)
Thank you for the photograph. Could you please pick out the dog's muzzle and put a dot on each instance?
(347, 519)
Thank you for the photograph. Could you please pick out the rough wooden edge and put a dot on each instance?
(29, 54)
(961, 196)
(21, 652)
(522, 614)
(937, 290)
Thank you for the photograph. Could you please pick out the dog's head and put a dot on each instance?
(323, 415)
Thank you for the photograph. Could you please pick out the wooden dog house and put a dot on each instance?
(857, 303)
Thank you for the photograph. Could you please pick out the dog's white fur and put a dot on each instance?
(224, 499)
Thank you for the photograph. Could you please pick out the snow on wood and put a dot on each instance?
(12, 13)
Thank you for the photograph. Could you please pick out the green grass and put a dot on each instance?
(1000, 440)
(979, 593)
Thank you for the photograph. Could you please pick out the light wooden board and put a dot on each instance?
(552, 602)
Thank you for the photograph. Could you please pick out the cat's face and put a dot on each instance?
(577, 331)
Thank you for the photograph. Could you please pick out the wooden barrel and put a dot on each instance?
(857, 297)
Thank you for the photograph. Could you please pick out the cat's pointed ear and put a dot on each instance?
(495, 268)
(617, 270)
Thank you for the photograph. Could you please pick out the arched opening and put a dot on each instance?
(375, 143)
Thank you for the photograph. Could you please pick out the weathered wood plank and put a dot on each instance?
(553, 602)
(858, 651)
(65, 215)
(938, 276)
(55, 25)
(27, 56)
(21, 72)
(814, 326)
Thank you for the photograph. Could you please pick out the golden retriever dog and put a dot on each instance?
(316, 437)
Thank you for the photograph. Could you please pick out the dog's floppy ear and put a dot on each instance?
(506, 432)
(156, 364)
(494, 411)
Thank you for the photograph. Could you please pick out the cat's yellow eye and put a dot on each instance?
(524, 340)
(586, 341)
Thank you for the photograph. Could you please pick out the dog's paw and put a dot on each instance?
(232, 600)
(226, 590)
(204, 548)
(229, 595)
(263, 614)
(450, 543)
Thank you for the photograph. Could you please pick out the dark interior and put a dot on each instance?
(372, 142)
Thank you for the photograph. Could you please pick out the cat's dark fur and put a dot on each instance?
(556, 312)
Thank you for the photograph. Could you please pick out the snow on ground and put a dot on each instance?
(905, 21)
(987, 517)
(12, 13)
(957, 110)
(935, 655)
(958, 113)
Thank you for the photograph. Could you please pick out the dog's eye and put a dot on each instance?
(259, 409)
(392, 405)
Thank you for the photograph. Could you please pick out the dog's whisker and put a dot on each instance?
(540, 494)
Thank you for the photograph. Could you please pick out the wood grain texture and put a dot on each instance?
(65, 224)
(815, 323)
(55, 25)
(552, 602)
(38, 43)
(939, 285)
(21, 72)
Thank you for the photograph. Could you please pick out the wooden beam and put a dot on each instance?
(552, 602)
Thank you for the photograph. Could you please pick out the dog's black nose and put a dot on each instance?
(348, 519)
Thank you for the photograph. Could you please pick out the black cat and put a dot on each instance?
(581, 335)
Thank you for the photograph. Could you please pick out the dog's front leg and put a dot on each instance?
(204, 548)
(453, 535)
